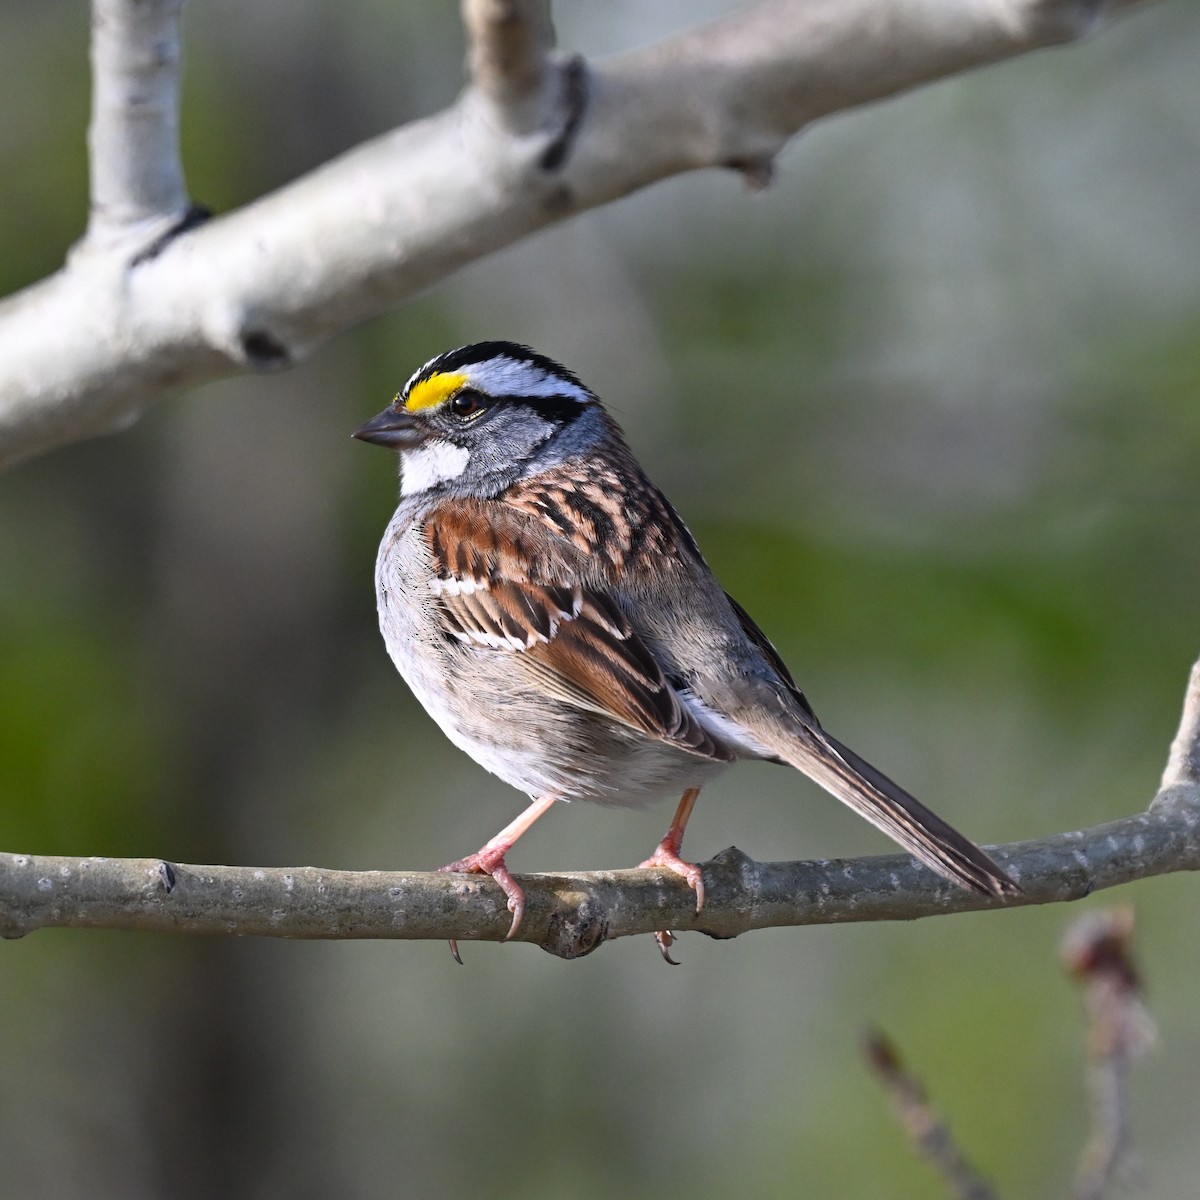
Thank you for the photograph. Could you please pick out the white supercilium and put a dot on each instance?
(504, 376)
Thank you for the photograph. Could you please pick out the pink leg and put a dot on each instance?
(489, 860)
(667, 856)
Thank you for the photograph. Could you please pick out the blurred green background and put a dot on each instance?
(929, 404)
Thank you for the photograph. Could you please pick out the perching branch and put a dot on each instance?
(534, 140)
(572, 914)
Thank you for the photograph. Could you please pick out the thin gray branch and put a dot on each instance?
(572, 914)
(84, 351)
(1097, 951)
(138, 192)
(927, 1130)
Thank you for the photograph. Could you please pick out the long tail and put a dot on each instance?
(889, 807)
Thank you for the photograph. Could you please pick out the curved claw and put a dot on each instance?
(491, 862)
(666, 858)
(665, 939)
(516, 897)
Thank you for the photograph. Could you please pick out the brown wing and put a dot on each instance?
(507, 583)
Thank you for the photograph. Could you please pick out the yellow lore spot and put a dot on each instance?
(429, 393)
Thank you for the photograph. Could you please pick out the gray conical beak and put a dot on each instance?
(393, 428)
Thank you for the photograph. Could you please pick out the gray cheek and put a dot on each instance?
(580, 436)
(508, 447)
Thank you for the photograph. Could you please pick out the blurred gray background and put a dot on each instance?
(929, 403)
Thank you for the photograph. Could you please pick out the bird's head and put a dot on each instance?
(474, 419)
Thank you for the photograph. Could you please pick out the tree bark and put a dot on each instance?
(571, 915)
(155, 301)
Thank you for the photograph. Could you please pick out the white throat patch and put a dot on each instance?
(427, 466)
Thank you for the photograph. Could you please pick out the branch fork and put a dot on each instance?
(535, 138)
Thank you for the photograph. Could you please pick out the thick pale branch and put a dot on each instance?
(82, 352)
(137, 186)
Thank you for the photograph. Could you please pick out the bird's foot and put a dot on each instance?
(490, 861)
(667, 858)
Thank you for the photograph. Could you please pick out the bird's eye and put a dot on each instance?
(468, 403)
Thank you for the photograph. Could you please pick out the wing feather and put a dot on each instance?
(506, 583)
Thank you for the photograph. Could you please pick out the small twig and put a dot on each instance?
(137, 186)
(1183, 763)
(508, 57)
(925, 1127)
(1097, 951)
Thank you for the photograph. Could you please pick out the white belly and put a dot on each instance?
(486, 706)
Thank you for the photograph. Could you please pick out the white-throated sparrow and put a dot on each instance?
(555, 617)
